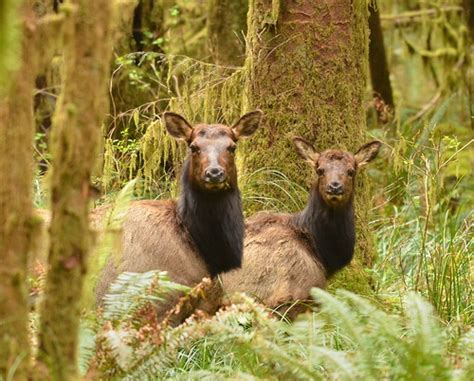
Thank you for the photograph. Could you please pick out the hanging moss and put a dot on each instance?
(307, 71)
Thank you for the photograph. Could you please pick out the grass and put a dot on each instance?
(419, 325)
(425, 225)
(347, 338)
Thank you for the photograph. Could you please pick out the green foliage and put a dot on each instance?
(424, 229)
(127, 317)
(347, 338)
(131, 291)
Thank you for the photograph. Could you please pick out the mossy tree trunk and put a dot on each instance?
(17, 224)
(226, 28)
(307, 65)
(379, 71)
(76, 132)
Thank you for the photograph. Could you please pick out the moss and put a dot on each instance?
(16, 228)
(9, 41)
(74, 145)
(308, 74)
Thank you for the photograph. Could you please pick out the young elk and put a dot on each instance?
(285, 255)
(201, 234)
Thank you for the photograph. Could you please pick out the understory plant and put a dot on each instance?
(424, 218)
(345, 338)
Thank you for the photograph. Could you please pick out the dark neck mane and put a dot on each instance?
(214, 222)
(330, 232)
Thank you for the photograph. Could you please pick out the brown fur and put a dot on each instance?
(152, 239)
(278, 266)
(286, 255)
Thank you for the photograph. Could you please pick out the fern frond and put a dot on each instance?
(131, 291)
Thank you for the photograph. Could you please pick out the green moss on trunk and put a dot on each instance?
(75, 137)
(16, 219)
(226, 28)
(307, 70)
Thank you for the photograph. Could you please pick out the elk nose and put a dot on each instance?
(215, 175)
(335, 188)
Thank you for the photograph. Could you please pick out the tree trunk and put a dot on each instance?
(379, 72)
(226, 28)
(148, 25)
(307, 65)
(16, 215)
(75, 137)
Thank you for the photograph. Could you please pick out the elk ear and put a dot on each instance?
(177, 126)
(247, 124)
(367, 153)
(306, 150)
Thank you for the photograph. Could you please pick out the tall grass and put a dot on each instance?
(425, 225)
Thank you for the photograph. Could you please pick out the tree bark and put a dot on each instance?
(17, 223)
(307, 65)
(379, 72)
(75, 137)
(226, 28)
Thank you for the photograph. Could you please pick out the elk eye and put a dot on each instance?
(194, 148)
(232, 148)
(320, 171)
(351, 172)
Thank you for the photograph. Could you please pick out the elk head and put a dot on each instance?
(212, 149)
(336, 169)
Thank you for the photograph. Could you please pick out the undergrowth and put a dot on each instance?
(418, 325)
(346, 338)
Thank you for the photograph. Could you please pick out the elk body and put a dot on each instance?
(285, 255)
(201, 234)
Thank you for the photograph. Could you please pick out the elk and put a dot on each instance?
(200, 234)
(285, 255)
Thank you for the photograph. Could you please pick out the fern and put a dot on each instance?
(132, 291)
(347, 338)
(87, 343)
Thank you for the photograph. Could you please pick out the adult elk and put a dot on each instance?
(201, 234)
(285, 255)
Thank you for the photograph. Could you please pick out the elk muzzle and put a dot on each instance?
(215, 175)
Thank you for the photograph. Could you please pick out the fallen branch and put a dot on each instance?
(204, 299)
